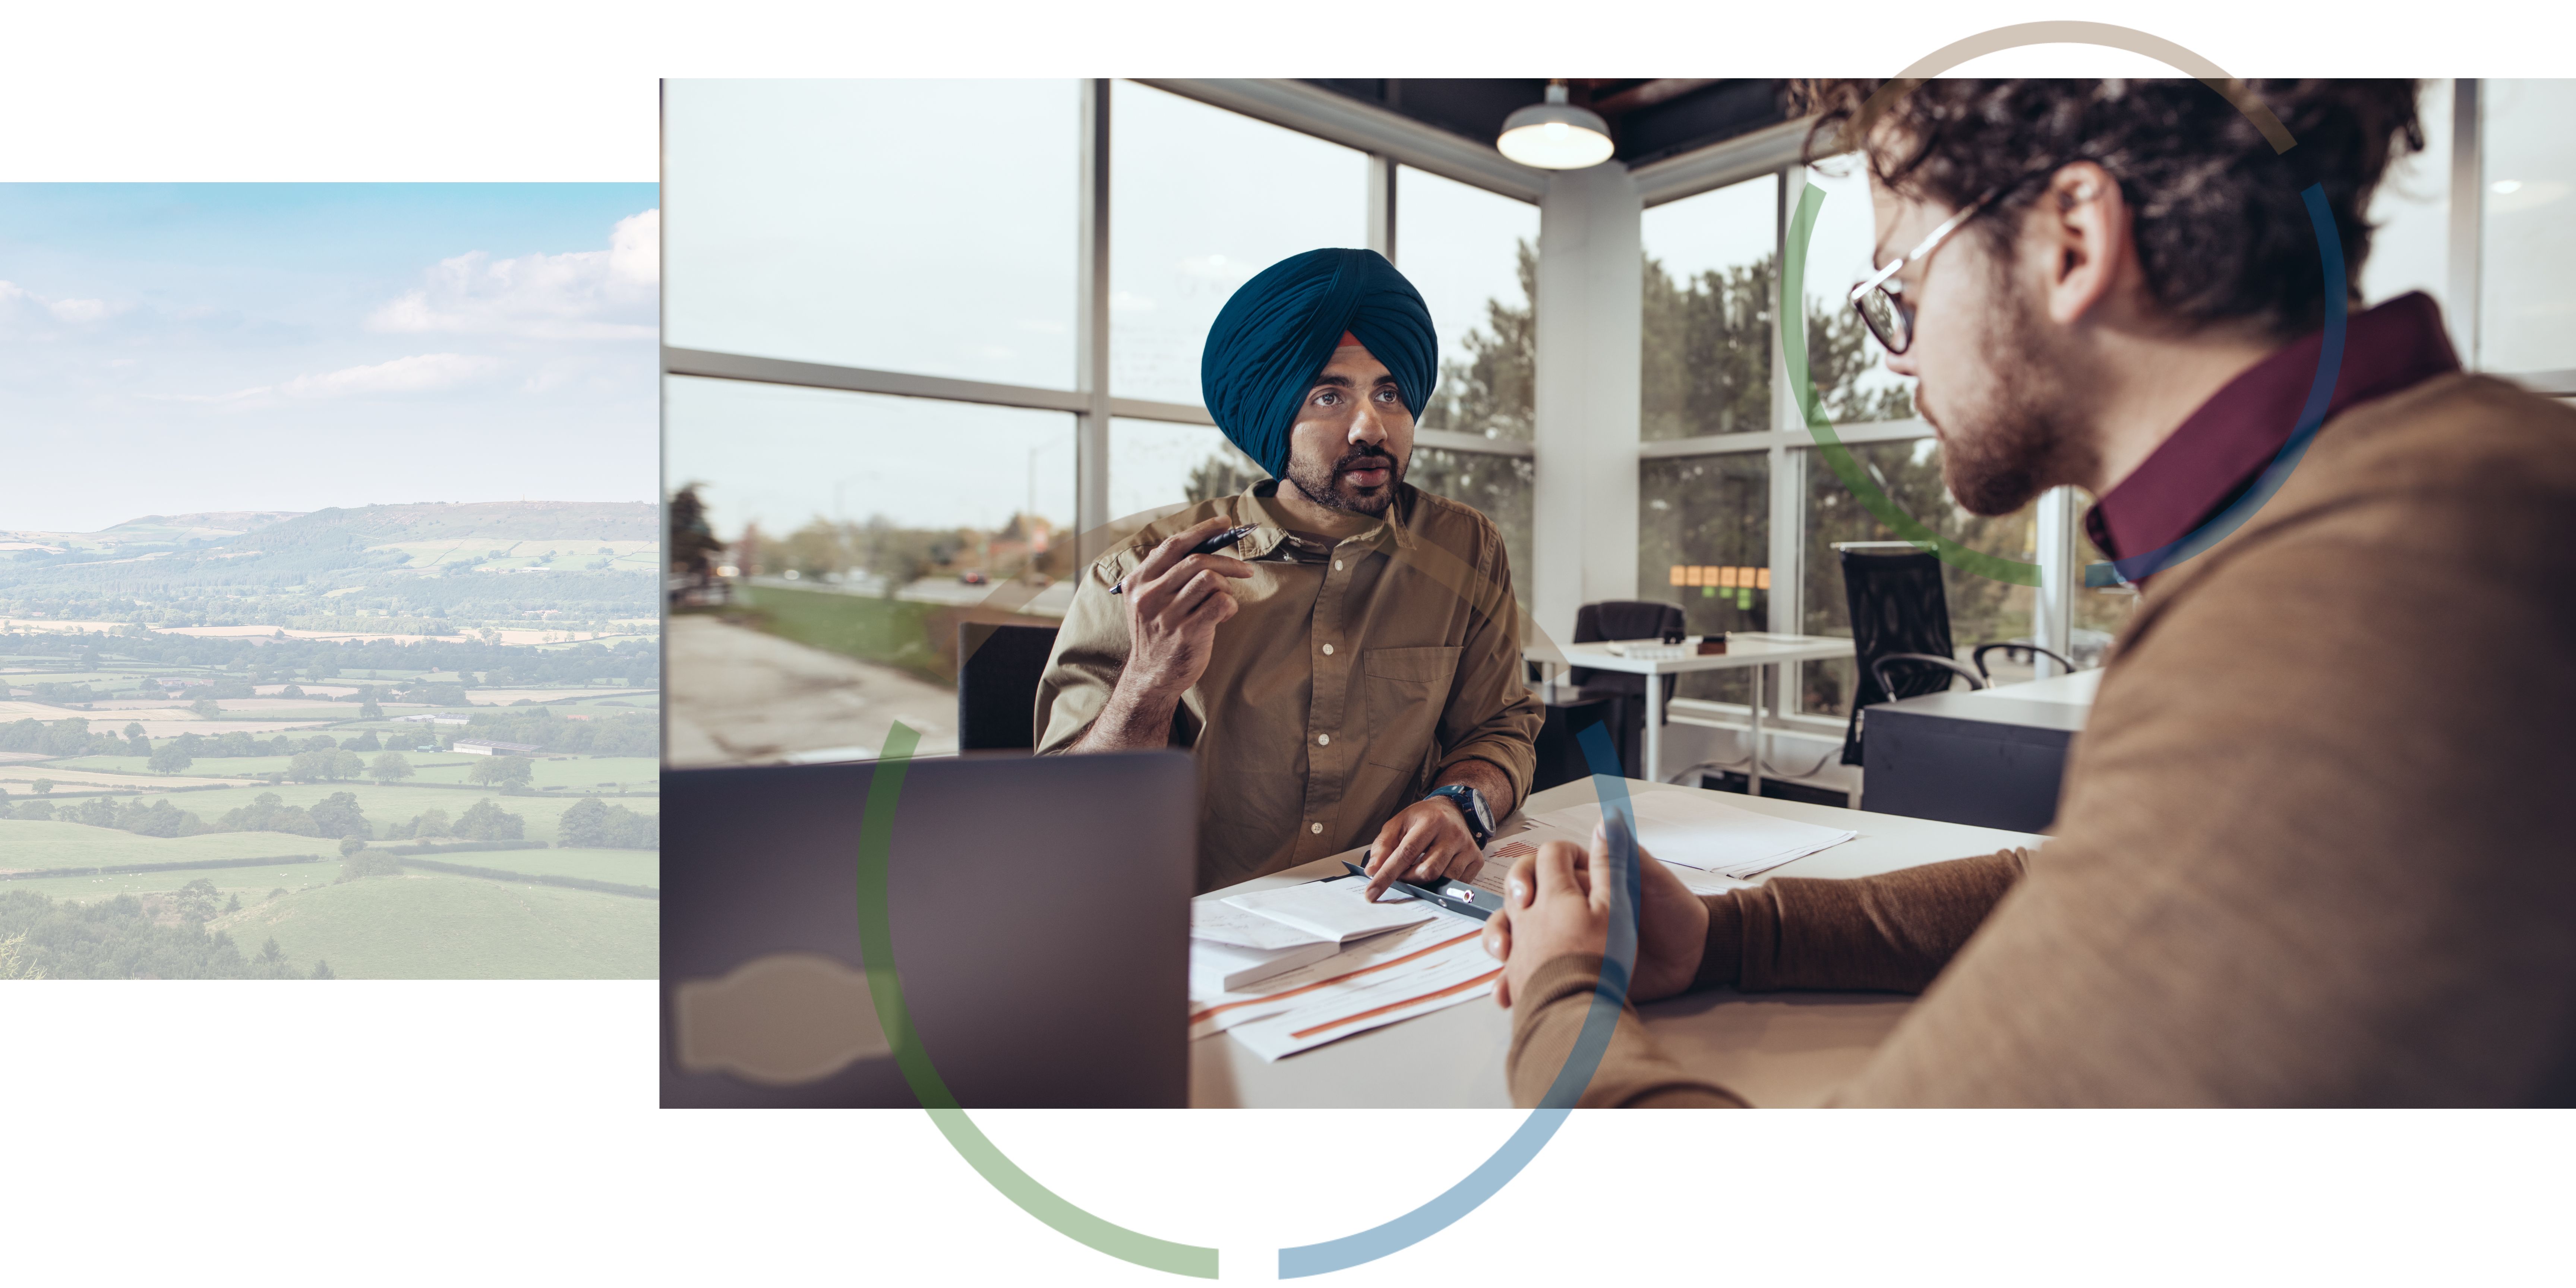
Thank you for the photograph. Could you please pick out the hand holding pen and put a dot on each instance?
(1176, 598)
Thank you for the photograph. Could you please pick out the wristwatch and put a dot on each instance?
(1471, 803)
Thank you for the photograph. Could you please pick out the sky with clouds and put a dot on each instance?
(171, 348)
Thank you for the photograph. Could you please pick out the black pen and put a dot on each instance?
(1208, 547)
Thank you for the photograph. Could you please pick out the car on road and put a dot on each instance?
(972, 577)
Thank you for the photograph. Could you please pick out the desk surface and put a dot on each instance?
(2075, 689)
(1771, 1048)
(1743, 648)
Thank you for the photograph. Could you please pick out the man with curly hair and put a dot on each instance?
(2309, 849)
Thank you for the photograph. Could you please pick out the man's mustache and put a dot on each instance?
(1352, 461)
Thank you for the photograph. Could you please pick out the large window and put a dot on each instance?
(2527, 279)
(1161, 466)
(1709, 295)
(1474, 257)
(802, 227)
(2410, 215)
(1704, 542)
(866, 528)
(1499, 486)
(1204, 199)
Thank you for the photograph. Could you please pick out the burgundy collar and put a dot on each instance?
(2220, 449)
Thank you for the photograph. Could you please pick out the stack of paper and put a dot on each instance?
(1694, 829)
(1252, 937)
(1436, 963)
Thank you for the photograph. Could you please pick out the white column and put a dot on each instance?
(1590, 304)
(2061, 578)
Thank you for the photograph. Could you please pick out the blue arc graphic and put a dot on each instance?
(1536, 1130)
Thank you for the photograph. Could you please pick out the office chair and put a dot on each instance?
(2012, 648)
(1897, 607)
(997, 684)
(1624, 619)
(1900, 613)
(1878, 669)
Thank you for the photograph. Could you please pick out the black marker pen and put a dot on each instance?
(1208, 547)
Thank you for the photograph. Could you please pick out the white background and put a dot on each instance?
(504, 1133)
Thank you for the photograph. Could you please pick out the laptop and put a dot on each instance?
(1038, 909)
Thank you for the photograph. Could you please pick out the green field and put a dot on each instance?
(625, 867)
(383, 806)
(891, 631)
(386, 806)
(25, 843)
(252, 884)
(585, 773)
(433, 926)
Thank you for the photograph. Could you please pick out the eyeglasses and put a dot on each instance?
(1880, 298)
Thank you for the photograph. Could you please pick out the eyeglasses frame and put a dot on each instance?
(1923, 249)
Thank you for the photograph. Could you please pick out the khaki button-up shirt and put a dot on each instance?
(1349, 682)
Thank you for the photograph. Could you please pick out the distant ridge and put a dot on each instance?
(378, 524)
(488, 520)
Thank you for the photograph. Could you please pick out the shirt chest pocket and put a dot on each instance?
(1406, 690)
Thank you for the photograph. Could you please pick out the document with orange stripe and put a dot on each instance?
(1377, 981)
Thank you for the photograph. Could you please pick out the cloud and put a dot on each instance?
(607, 294)
(19, 306)
(420, 373)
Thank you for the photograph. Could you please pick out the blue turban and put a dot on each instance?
(1280, 329)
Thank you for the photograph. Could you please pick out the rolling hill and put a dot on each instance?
(348, 566)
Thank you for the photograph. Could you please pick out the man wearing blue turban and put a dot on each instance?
(1348, 673)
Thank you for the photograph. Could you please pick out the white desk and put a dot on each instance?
(1756, 649)
(1771, 1048)
(2074, 690)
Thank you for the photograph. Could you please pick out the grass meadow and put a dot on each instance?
(427, 925)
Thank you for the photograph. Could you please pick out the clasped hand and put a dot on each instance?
(1558, 902)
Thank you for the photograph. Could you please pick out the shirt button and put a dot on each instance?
(1323, 740)
(1314, 827)
(1337, 565)
(1328, 650)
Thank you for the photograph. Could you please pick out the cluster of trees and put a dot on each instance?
(894, 556)
(337, 815)
(126, 938)
(594, 824)
(130, 814)
(67, 737)
(627, 733)
(509, 773)
(485, 821)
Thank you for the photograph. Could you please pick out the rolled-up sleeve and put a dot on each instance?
(1492, 715)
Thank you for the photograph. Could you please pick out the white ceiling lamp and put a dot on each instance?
(1555, 135)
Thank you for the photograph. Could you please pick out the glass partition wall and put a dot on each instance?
(998, 341)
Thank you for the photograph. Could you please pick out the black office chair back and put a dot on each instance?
(1622, 619)
(1897, 606)
(997, 684)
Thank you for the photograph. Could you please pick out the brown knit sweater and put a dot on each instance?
(2316, 846)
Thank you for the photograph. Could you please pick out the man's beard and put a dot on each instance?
(2010, 438)
(1322, 484)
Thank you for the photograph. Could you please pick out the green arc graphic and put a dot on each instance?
(876, 953)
